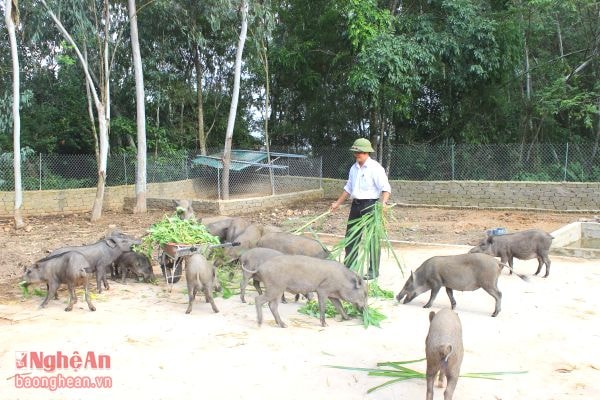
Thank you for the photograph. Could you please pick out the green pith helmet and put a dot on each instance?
(362, 145)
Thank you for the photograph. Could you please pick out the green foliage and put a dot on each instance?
(172, 229)
(370, 316)
(396, 371)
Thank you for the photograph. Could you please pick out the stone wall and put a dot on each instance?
(66, 201)
(560, 196)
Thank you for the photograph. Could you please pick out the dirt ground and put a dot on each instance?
(547, 326)
(427, 225)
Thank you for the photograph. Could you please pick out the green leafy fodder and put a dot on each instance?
(366, 234)
(396, 371)
(172, 229)
(370, 316)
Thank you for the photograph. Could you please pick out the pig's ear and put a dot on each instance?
(490, 239)
(358, 282)
(431, 315)
(111, 243)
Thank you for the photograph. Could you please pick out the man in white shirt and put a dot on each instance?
(367, 182)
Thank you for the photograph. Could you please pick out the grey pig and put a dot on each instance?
(301, 274)
(465, 272)
(101, 255)
(247, 240)
(444, 351)
(228, 229)
(134, 262)
(184, 209)
(250, 262)
(69, 268)
(288, 243)
(200, 274)
(524, 245)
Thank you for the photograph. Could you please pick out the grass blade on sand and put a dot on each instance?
(400, 373)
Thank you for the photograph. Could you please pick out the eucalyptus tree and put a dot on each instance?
(261, 33)
(234, 97)
(140, 101)
(100, 90)
(11, 18)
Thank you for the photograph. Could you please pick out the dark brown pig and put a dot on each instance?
(68, 268)
(444, 351)
(200, 274)
(524, 245)
(464, 272)
(301, 274)
(137, 263)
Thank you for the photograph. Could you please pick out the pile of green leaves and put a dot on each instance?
(369, 315)
(376, 291)
(311, 308)
(172, 229)
(397, 372)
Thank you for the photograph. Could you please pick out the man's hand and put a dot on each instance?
(334, 206)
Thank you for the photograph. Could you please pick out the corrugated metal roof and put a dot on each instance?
(242, 159)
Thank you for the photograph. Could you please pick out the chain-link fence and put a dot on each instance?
(65, 171)
(500, 162)
(494, 162)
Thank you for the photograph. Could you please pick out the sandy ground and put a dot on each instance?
(547, 327)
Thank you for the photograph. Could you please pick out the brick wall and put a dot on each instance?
(561, 196)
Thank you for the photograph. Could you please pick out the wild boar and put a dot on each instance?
(68, 268)
(465, 272)
(137, 263)
(247, 240)
(228, 229)
(200, 274)
(250, 261)
(444, 351)
(184, 209)
(524, 245)
(302, 274)
(102, 254)
(288, 243)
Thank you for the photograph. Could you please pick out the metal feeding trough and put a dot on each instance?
(578, 239)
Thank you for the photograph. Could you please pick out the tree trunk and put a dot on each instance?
(267, 145)
(140, 101)
(200, 100)
(234, 99)
(11, 13)
(99, 200)
(88, 94)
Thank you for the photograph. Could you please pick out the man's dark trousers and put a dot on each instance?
(357, 210)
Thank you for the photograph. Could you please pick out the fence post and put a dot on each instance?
(566, 162)
(125, 167)
(40, 166)
(321, 172)
(219, 183)
(452, 155)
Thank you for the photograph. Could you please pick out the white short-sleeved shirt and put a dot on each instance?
(368, 181)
